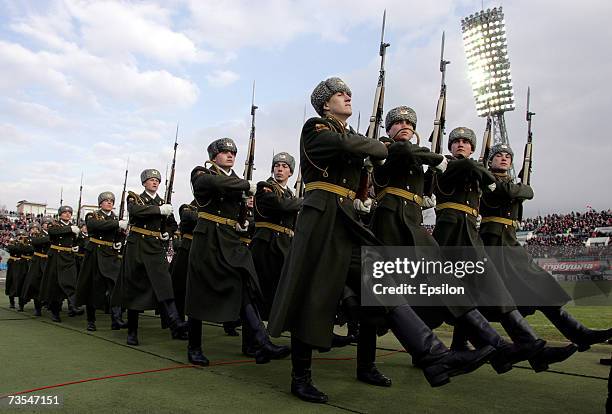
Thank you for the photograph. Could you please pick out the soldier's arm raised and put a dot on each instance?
(267, 200)
(57, 229)
(513, 191)
(202, 180)
(96, 223)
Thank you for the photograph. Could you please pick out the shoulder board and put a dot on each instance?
(132, 197)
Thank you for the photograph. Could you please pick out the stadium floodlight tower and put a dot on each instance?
(486, 49)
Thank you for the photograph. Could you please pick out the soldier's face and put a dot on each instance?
(107, 205)
(501, 161)
(461, 146)
(401, 131)
(66, 216)
(282, 172)
(339, 105)
(151, 185)
(225, 159)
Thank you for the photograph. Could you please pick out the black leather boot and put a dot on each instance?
(428, 352)
(194, 347)
(91, 318)
(460, 340)
(22, 303)
(339, 341)
(301, 375)
(117, 321)
(55, 307)
(178, 328)
(72, 309)
(37, 308)
(366, 356)
(551, 354)
(574, 330)
(481, 333)
(265, 349)
(230, 328)
(132, 336)
(12, 302)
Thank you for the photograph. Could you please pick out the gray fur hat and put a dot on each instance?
(286, 158)
(221, 145)
(462, 132)
(498, 148)
(149, 173)
(325, 90)
(107, 195)
(64, 208)
(401, 113)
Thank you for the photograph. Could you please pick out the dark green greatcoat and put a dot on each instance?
(101, 264)
(327, 233)
(220, 265)
(398, 222)
(463, 182)
(23, 267)
(528, 283)
(13, 268)
(144, 279)
(276, 205)
(180, 260)
(59, 279)
(31, 286)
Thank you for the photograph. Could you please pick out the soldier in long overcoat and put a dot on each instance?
(31, 286)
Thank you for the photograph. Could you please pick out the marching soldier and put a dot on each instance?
(31, 287)
(276, 209)
(501, 211)
(398, 217)
(458, 192)
(14, 264)
(101, 264)
(145, 282)
(59, 279)
(222, 283)
(325, 256)
(24, 265)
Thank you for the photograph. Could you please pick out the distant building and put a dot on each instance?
(27, 207)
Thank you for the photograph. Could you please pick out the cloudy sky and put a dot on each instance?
(85, 85)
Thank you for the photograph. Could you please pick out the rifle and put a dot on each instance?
(78, 216)
(170, 180)
(486, 143)
(249, 164)
(122, 205)
(525, 173)
(299, 183)
(437, 135)
(377, 113)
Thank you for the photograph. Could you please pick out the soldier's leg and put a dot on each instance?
(574, 330)
(132, 337)
(55, 307)
(37, 307)
(91, 317)
(22, 303)
(301, 374)
(178, 328)
(12, 302)
(523, 334)
(194, 347)
(73, 310)
(230, 328)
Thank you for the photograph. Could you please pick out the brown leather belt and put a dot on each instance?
(458, 206)
(102, 242)
(331, 188)
(145, 231)
(500, 220)
(275, 227)
(187, 236)
(415, 198)
(217, 219)
(245, 240)
(62, 248)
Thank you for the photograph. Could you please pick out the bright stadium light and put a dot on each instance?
(486, 49)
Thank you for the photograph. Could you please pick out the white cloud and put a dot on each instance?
(10, 134)
(33, 114)
(221, 78)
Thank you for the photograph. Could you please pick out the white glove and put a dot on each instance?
(362, 207)
(442, 166)
(165, 236)
(492, 187)
(166, 209)
(378, 163)
(75, 230)
(478, 220)
(123, 224)
(252, 187)
(75, 249)
(242, 229)
(117, 245)
(429, 202)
